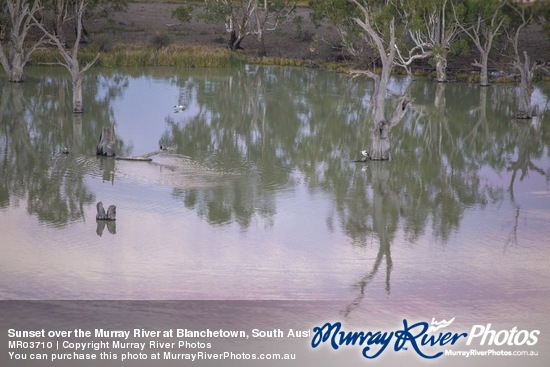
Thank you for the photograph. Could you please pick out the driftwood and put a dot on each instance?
(143, 158)
(135, 158)
(106, 144)
(101, 215)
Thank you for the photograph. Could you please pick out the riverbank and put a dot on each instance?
(147, 35)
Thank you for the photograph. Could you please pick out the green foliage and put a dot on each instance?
(161, 39)
(460, 47)
(482, 17)
(183, 13)
(469, 11)
(336, 12)
(216, 11)
(341, 14)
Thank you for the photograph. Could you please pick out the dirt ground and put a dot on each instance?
(297, 38)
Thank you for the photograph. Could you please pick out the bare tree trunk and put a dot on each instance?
(380, 148)
(483, 74)
(70, 57)
(107, 141)
(441, 66)
(15, 69)
(482, 33)
(13, 65)
(77, 92)
(16, 56)
(263, 51)
(60, 13)
(526, 68)
(525, 87)
(380, 142)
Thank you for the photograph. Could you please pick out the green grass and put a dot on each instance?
(136, 56)
(207, 57)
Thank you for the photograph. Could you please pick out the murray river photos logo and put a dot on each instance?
(427, 340)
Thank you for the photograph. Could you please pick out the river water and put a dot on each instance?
(258, 197)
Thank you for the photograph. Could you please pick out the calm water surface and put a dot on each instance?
(259, 198)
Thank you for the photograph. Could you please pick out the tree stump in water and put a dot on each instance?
(523, 115)
(101, 215)
(106, 144)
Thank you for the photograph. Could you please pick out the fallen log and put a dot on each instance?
(142, 158)
(135, 158)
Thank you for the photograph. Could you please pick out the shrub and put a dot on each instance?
(182, 13)
(161, 39)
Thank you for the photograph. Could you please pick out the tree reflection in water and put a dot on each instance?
(280, 121)
(36, 128)
(262, 131)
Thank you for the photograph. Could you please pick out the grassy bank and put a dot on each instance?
(178, 56)
(205, 57)
(135, 56)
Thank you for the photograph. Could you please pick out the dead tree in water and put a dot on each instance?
(525, 67)
(388, 53)
(14, 54)
(486, 23)
(106, 144)
(102, 215)
(70, 57)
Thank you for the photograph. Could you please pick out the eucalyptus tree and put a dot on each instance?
(246, 17)
(431, 25)
(379, 25)
(70, 56)
(267, 16)
(17, 22)
(523, 17)
(482, 21)
(59, 9)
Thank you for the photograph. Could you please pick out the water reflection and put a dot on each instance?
(258, 155)
(36, 129)
(101, 224)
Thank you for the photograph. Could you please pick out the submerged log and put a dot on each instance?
(522, 115)
(101, 215)
(145, 157)
(138, 158)
(106, 144)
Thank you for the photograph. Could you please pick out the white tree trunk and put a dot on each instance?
(78, 105)
(381, 126)
(70, 57)
(526, 68)
(16, 55)
(13, 66)
(15, 69)
(525, 87)
(441, 66)
(483, 74)
(482, 33)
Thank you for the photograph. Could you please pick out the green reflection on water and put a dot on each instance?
(266, 126)
(252, 136)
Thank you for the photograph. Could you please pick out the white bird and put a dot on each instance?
(365, 153)
(179, 108)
